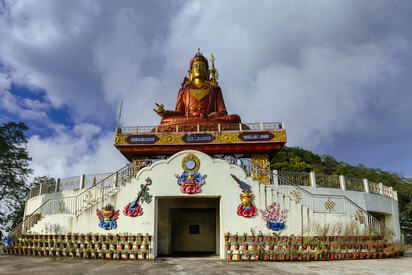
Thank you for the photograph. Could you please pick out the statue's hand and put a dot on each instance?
(213, 115)
(160, 110)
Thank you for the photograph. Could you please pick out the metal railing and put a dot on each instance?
(73, 205)
(201, 128)
(71, 183)
(90, 180)
(333, 181)
(354, 184)
(318, 203)
(300, 178)
(328, 181)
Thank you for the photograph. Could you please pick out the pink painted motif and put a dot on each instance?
(274, 217)
(190, 182)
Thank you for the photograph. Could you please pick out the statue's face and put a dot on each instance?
(199, 70)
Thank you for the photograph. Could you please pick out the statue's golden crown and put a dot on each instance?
(200, 57)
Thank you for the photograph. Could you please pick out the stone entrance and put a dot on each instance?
(188, 226)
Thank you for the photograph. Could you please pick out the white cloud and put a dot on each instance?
(72, 152)
(328, 92)
(320, 66)
(313, 66)
(24, 108)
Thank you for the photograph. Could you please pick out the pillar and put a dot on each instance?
(366, 185)
(312, 179)
(342, 182)
(56, 188)
(275, 178)
(81, 185)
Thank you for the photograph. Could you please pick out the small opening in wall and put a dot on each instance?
(194, 229)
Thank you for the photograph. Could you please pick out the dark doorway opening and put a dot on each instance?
(188, 227)
(193, 231)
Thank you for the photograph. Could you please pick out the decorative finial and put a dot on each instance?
(198, 51)
(214, 76)
(212, 59)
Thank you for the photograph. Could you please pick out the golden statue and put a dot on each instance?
(200, 100)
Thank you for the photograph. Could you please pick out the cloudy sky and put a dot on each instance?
(338, 73)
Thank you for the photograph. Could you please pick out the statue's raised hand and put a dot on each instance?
(160, 110)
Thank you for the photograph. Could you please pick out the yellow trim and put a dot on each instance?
(170, 139)
(220, 137)
(199, 94)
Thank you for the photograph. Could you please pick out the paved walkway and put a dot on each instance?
(10, 264)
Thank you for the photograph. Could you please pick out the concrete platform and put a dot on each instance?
(206, 265)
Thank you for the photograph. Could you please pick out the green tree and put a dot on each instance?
(15, 217)
(296, 159)
(14, 170)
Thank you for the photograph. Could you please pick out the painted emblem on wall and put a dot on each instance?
(108, 217)
(134, 209)
(274, 217)
(191, 180)
(330, 205)
(246, 208)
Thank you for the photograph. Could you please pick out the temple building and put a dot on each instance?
(203, 175)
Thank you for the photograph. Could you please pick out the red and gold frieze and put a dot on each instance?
(228, 142)
(198, 138)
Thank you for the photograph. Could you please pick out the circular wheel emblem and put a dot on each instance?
(190, 164)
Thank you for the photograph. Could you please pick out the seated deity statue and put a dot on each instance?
(200, 100)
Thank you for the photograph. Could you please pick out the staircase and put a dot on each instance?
(312, 206)
(76, 205)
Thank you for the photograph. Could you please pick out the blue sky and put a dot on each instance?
(336, 72)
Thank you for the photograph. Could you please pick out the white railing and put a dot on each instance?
(374, 187)
(82, 182)
(201, 128)
(387, 191)
(337, 182)
(318, 203)
(70, 183)
(74, 205)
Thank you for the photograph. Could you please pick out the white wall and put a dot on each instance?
(218, 184)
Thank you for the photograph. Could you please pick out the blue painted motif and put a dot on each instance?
(275, 225)
(107, 225)
(107, 217)
(7, 241)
